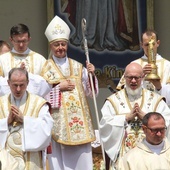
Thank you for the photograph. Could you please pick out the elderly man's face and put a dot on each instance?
(133, 79)
(59, 48)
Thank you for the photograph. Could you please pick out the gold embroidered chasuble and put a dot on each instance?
(72, 121)
(133, 131)
(34, 63)
(32, 106)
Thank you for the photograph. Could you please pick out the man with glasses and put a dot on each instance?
(154, 150)
(122, 112)
(22, 56)
(163, 67)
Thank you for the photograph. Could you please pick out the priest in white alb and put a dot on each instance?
(122, 112)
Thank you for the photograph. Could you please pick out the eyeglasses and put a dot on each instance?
(133, 77)
(19, 42)
(155, 131)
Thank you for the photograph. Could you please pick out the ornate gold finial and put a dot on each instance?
(153, 75)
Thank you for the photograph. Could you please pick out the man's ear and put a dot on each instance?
(144, 128)
(158, 43)
(141, 44)
(10, 39)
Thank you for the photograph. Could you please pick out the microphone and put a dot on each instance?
(111, 89)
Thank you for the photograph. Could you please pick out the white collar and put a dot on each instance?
(25, 52)
(60, 61)
(155, 148)
(158, 57)
(18, 102)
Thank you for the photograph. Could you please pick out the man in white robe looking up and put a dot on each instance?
(25, 123)
(123, 111)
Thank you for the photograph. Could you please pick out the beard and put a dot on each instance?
(133, 92)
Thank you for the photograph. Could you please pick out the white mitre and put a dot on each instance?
(57, 30)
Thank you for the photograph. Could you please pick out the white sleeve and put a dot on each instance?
(38, 85)
(3, 132)
(112, 130)
(165, 92)
(4, 87)
(164, 110)
(37, 131)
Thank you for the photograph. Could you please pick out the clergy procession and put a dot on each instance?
(46, 120)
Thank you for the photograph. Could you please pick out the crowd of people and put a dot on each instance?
(45, 118)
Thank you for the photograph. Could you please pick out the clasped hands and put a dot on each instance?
(23, 66)
(135, 112)
(15, 115)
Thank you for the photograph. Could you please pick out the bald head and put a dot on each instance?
(134, 68)
(133, 77)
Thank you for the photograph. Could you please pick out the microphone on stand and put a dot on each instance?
(111, 89)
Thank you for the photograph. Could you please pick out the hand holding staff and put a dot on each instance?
(83, 24)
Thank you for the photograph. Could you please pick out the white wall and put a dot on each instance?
(162, 26)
